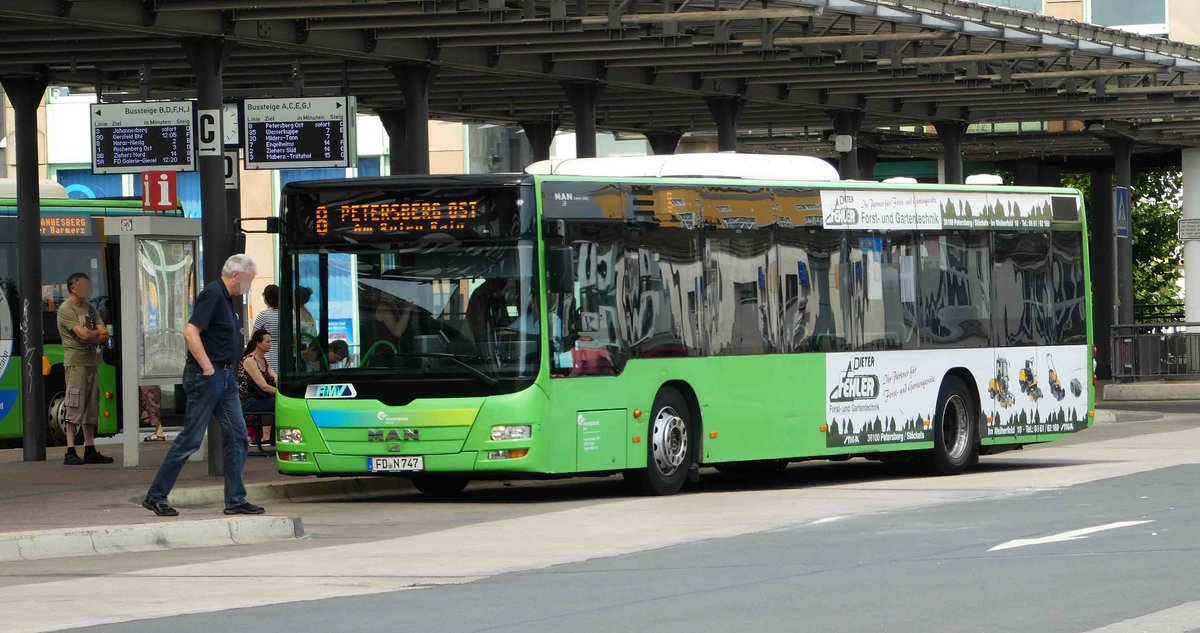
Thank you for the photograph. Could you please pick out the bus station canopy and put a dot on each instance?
(788, 67)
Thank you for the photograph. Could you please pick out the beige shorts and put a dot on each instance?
(83, 395)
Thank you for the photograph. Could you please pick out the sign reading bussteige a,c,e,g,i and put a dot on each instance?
(299, 132)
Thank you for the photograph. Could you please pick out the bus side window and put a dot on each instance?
(590, 313)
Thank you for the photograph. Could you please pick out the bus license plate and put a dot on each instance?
(409, 464)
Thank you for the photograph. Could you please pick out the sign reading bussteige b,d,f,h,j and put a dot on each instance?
(299, 132)
(135, 137)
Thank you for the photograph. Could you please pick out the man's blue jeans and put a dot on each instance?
(207, 395)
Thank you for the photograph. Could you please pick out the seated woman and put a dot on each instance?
(257, 381)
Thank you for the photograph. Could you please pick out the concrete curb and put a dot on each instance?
(301, 490)
(144, 537)
(1108, 416)
(1153, 390)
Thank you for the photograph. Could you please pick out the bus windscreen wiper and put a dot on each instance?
(458, 360)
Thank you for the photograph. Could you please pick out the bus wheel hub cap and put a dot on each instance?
(670, 440)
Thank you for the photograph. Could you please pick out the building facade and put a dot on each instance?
(1177, 19)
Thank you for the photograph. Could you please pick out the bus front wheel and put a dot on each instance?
(954, 428)
(671, 447)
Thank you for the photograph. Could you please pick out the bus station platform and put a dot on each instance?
(51, 510)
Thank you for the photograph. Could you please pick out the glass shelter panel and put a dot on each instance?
(166, 287)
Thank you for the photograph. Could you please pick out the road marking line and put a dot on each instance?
(1177, 619)
(827, 520)
(1066, 536)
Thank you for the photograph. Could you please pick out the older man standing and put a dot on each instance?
(214, 342)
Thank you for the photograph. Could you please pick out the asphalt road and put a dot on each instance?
(1112, 550)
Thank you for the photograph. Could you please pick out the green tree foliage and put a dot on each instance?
(1157, 250)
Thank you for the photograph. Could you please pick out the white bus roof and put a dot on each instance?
(47, 189)
(718, 165)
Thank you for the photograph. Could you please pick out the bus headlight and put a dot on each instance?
(289, 436)
(517, 432)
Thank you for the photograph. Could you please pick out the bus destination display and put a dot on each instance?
(382, 219)
(134, 137)
(290, 133)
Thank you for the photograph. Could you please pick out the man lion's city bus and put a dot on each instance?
(72, 241)
(649, 316)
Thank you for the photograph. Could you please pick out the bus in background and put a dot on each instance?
(73, 240)
(648, 316)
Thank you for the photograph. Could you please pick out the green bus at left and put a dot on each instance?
(73, 240)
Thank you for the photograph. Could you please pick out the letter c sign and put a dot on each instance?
(209, 133)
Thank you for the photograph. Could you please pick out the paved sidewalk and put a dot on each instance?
(48, 495)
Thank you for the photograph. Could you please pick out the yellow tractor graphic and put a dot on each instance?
(1027, 378)
(998, 386)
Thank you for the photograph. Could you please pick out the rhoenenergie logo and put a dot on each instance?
(856, 386)
(330, 391)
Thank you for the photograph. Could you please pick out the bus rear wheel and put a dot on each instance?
(440, 487)
(955, 446)
(671, 448)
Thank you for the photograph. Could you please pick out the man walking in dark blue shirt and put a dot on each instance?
(214, 342)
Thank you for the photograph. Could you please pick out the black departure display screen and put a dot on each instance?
(270, 144)
(143, 147)
(331, 217)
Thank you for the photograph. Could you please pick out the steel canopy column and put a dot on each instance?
(415, 80)
(540, 135)
(725, 112)
(1191, 248)
(1049, 175)
(868, 155)
(663, 142)
(207, 57)
(847, 124)
(1102, 265)
(1122, 150)
(26, 93)
(1026, 173)
(584, 95)
(393, 124)
(951, 134)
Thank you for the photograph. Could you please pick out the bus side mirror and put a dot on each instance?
(261, 225)
(560, 270)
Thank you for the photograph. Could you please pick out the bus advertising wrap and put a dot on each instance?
(888, 210)
(889, 397)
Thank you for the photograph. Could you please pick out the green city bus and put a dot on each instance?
(649, 316)
(72, 241)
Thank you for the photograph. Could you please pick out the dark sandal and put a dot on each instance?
(155, 437)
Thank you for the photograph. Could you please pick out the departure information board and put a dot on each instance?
(353, 212)
(377, 219)
(298, 133)
(135, 137)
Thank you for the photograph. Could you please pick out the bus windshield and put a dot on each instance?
(450, 310)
